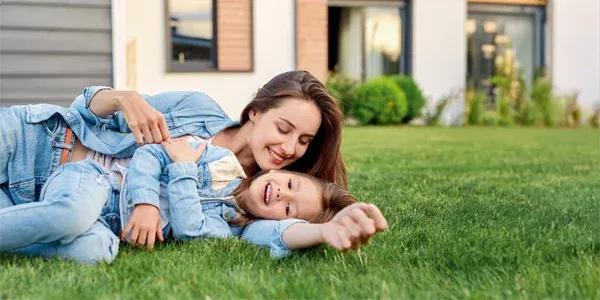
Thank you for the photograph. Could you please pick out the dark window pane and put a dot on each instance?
(500, 40)
(191, 29)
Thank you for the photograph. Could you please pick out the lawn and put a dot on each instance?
(474, 213)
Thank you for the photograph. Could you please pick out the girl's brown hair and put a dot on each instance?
(334, 198)
(322, 158)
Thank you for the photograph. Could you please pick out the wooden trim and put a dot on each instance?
(235, 35)
(355, 3)
(514, 2)
(312, 37)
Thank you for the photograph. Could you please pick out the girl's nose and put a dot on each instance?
(282, 195)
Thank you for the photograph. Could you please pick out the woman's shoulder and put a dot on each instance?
(196, 100)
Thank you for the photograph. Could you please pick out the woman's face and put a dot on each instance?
(280, 195)
(281, 135)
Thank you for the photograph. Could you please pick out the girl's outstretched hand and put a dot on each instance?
(353, 226)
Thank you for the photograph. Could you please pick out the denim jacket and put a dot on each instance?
(197, 201)
(185, 112)
(39, 150)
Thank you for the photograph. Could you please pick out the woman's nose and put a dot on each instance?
(288, 148)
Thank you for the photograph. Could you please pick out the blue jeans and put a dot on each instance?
(5, 200)
(76, 217)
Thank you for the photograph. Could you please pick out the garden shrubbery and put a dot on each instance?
(379, 101)
(398, 99)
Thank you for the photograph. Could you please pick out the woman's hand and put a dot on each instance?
(144, 226)
(142, 118)
(180, 150)
(353, 226)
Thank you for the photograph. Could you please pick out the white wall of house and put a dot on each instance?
(439, 51)
(574, 49)
(143, 21)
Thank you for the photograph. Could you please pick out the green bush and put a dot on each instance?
(594, 121)
(530, 115)
(341, 88)
(476, 108)
(489, 118)
(541, 95)
(414, 95)
(505, 111)
(434, 115)
(379, 101)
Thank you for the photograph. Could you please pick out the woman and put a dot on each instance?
(291, 123)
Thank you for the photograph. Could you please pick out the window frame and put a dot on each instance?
(194, 66)
(405, 61)
(538, 13)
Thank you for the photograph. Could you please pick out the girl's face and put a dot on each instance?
(279, 195)
(281, 135)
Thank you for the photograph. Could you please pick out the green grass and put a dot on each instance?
(474, 213)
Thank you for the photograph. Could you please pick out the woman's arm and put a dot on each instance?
(140, 116)
(150, 116)
(108, 101)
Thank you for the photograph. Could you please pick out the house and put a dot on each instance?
(50, 49)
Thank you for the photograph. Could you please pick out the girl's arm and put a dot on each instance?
(188, 220)
(348, 230)
(142, 191)
(142, 186)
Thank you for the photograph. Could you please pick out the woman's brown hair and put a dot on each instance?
(334, 198)
(322, 159)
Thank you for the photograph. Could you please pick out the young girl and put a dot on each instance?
(200, 192)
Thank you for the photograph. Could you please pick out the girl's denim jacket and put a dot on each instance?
(198, 200)
(185, 112)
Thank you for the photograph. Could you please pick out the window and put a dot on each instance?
(191, 35)
(496, 33)
(383, 32)
(366, 41)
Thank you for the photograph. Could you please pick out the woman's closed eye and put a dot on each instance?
(282, 131)
(290, 184)
(287, 209)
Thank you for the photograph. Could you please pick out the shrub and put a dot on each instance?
(489, 118)
(575, 115)
(434, 115)
(379, 101)
(530, 115)
(475, 108)
(414, 96)
(341, 88)
(541, 95)
(594, 119)
(505, 111)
